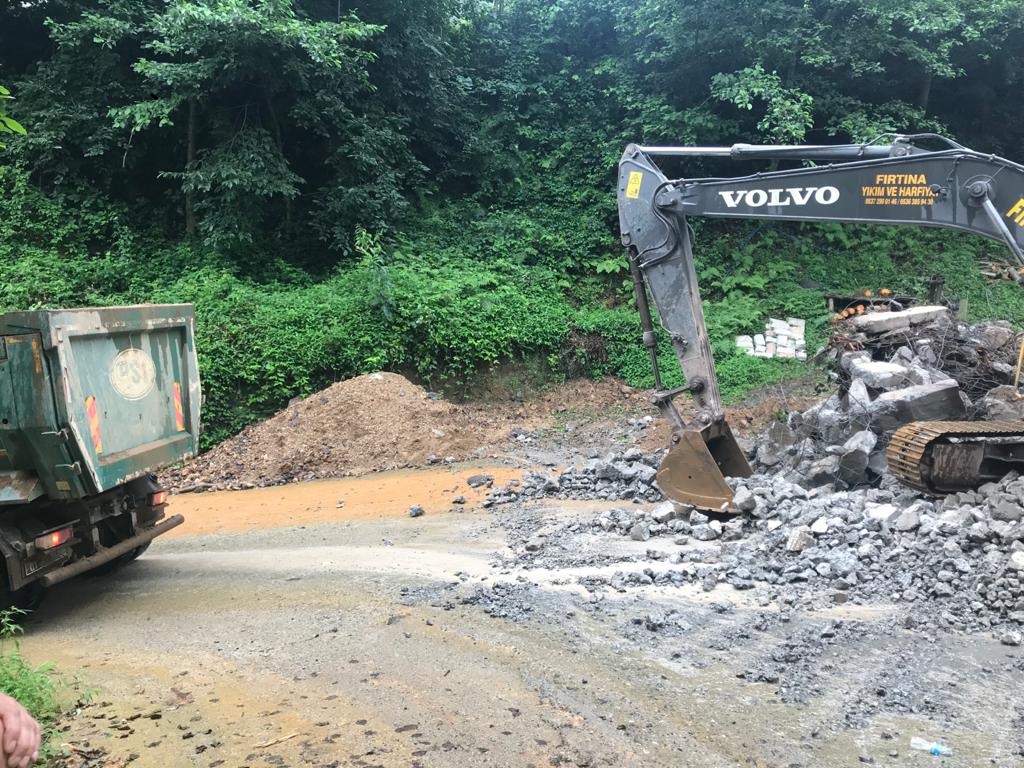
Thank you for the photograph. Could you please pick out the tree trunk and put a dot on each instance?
(190, 209)
(279, 141)
(925, 94)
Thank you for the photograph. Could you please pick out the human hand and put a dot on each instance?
(20, 734)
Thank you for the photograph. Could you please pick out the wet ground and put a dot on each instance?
(277, 628)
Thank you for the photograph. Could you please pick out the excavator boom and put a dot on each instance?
(894, 183)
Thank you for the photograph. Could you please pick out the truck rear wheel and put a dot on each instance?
(137, 552)
(28, 598)
(120, 562)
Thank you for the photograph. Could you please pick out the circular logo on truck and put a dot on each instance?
(133, 374)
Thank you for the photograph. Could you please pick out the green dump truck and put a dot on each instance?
(92, 403)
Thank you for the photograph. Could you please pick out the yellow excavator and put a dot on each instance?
(893, 180)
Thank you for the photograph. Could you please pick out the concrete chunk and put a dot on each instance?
(1003, 404)
(800, 539)
(880, 375)
(663, 512)
(744, 500)
(924, 402)
(886, 513)
(1007, 510)
(640, 532)
(909, 519)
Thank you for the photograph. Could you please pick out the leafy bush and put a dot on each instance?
(261, 344)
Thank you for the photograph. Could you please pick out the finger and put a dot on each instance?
(13, 727)
(24, 746)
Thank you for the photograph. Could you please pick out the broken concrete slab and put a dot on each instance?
(706, 532)
(880, 375)
(821, 471)
(1008, 510)
(854, 461)
(1004, 403)
(883, 322)
(923, 402)
(992, 335)
(848, 359)
(775, 443)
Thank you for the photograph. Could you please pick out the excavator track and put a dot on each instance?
(942, 457)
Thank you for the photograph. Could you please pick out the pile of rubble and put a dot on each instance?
(926, 359)
(821, 518)
(958, 563)
(628, 475)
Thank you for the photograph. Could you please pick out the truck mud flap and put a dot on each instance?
(110, 553)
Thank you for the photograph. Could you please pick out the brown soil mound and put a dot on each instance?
(375, 422)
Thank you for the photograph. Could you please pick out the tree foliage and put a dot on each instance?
(7, 123)
(428, 186)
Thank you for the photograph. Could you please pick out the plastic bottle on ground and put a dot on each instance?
(936, 748)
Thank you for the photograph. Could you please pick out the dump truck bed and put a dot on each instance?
(92, 398)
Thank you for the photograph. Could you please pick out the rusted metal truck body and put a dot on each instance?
(92, 403)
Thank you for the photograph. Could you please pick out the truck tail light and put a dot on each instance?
(157, 499)
(54, 539)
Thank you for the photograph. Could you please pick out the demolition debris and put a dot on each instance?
(821, 519)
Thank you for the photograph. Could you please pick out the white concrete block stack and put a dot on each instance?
(781, 338)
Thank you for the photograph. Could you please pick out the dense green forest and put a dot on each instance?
(427, 186)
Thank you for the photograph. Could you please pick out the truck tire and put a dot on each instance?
(28, 598)
(137, 552)
(120, 562)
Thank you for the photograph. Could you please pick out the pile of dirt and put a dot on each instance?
(374, 422)
(383, 421)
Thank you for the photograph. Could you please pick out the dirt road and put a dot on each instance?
(281, 629)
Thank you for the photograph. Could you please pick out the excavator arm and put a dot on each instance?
(895, 183)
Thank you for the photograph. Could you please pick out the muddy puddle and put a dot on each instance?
(370, 497)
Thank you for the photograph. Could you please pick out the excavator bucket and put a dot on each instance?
(696, 466)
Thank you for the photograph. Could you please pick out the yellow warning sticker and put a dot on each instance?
(633, 187)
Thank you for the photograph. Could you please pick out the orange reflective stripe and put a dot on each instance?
(179, 411)
(92, 411)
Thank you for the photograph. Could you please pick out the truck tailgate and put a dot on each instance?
(125, 383)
